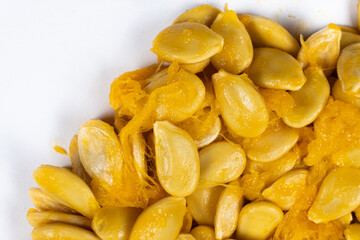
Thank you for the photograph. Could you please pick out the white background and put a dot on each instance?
(58, 58)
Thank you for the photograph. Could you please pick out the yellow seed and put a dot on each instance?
(37, 218)
(310, 100)
(277, 167)
(347, 158)
(161, 221)
(237, 52)
(76, 164)
(203, 14)
(202, 204)
(111, 223)
(268, 33)
(242, 107)
(220, 162)
(258, 220)
(196, 67)
(66, 188)
(138, 147)
(155, 81)
(45, 202)
(187, 222)
(203, 233)
(348, 38)
(348, 67)
(287, 189)
(321, 49)
(227, 211)
(339, 194)
(185, 236)
(352, 232)
(339, 94)
(276, 69)
(56, 231)
(187, 42)
(100, 150)
(177, 159)
(259, 175)
(346, 219)
(181, 98)
(276, 141)
(348, 29)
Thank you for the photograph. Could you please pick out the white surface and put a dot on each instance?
(58, 58)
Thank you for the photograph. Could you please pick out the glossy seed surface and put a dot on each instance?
(276, 69)
(258, 220)
(242, 107)
(348, 67)
(227, 210)
(99, 149)
(185, 236)
(321, 49)
(38, 218)
(179, 99)
(339, 94)
(310, 100)
(177, 159)
(265, 32)
(339, 194)
(57, 231)
(67, 188)
(220, 162)
(285, 191)
(203, 233)
(237, 52)
(161, 221)
(204, 14)
(202, 204)
(187, 42)
(276, 141)
(44, 202)
(112, 223)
